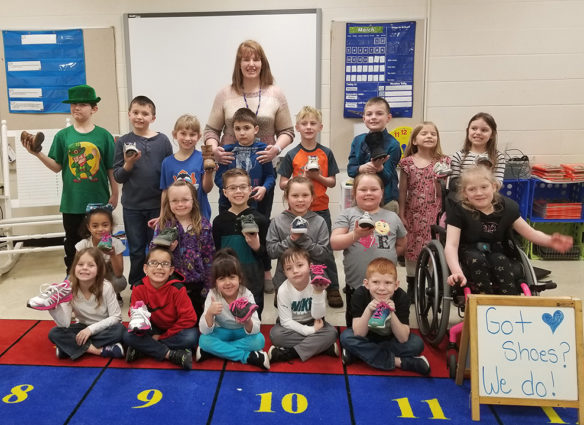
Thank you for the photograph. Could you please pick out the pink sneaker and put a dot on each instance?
(242, 309)
(105, 244)
(51, 296)
(318, 276)
(139, 318)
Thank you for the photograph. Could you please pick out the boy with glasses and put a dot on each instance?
(162, 318)
(244, 230)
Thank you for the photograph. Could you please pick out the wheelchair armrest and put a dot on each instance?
(438, 232)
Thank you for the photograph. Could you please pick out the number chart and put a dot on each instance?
(36, 387)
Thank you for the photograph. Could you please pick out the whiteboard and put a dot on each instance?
(181, 61)
(527, 352)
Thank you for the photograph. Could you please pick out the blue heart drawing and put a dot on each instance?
(553, 321)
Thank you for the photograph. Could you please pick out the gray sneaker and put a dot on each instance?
(248, 224)
(166, 236)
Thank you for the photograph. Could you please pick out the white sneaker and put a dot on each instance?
(51, 296)
(139, 318)
(312, 164)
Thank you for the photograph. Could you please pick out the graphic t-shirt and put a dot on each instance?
(296, 159)
(85, 159)
(388, 228)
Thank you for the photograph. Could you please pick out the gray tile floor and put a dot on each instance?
(34, 269)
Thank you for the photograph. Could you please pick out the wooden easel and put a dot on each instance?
(470, 338)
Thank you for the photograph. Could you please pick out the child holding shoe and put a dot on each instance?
(162, 318)
(301, 331)
(98, 325)
(97, 232)
(380, 333)
(84, 154)
(365, 232)
(244, 230)
(377, 152)
(192, 248)
(316, 162)
(230, 326)
(137, 166)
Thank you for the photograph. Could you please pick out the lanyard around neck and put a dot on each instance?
(259, 101)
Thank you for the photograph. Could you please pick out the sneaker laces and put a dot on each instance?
(317, 269)
(379, 310)
(48, 290)
(299, 221)
(239, 303)
(139, 310)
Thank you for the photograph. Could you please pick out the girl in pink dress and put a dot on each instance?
(420, 198)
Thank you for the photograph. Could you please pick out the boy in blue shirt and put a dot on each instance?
(377, 151)
(245, 150)
(137, 165)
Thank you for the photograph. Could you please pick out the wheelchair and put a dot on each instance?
(434, 297)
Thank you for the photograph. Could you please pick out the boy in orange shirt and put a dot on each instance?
(317, 162)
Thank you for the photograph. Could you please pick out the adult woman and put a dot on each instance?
(251, 87)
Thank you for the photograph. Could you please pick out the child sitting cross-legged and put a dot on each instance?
(301, 331)
(230, 326)
(162, 318)
(380, 335)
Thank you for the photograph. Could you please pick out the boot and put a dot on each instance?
(374, 142)
(411, 288)
(32, 141)
(209, 159)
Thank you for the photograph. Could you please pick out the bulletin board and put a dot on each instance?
(523, 351)
(182, 60)
(342, 129)
(100, 68)
(40, 67)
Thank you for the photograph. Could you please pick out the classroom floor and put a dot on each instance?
(36, 387)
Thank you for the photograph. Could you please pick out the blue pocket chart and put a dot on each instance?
(40, 67)
(379, 61)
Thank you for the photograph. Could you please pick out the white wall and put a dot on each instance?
(521, 60)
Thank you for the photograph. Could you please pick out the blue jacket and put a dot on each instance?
(360, 155)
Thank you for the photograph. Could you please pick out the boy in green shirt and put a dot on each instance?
(84, 154)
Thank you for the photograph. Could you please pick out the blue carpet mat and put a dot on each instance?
(99, 391)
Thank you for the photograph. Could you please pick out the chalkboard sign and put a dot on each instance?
(524, 351)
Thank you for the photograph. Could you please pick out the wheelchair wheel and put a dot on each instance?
(432, 293)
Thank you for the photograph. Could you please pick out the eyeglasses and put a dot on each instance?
(154, 264)
(235, 188)
(181, 201)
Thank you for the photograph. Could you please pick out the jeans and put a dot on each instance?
(381, 354)
(64, 338)
(138, 235)
(231, 344)
(145, 344)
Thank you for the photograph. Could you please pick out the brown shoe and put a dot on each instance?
(32, 141)
(334, 299)
(209, 158)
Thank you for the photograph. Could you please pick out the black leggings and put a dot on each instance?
(488, 272)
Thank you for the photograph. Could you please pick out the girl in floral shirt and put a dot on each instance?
(194, 249)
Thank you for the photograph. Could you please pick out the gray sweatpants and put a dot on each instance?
(306, 346)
